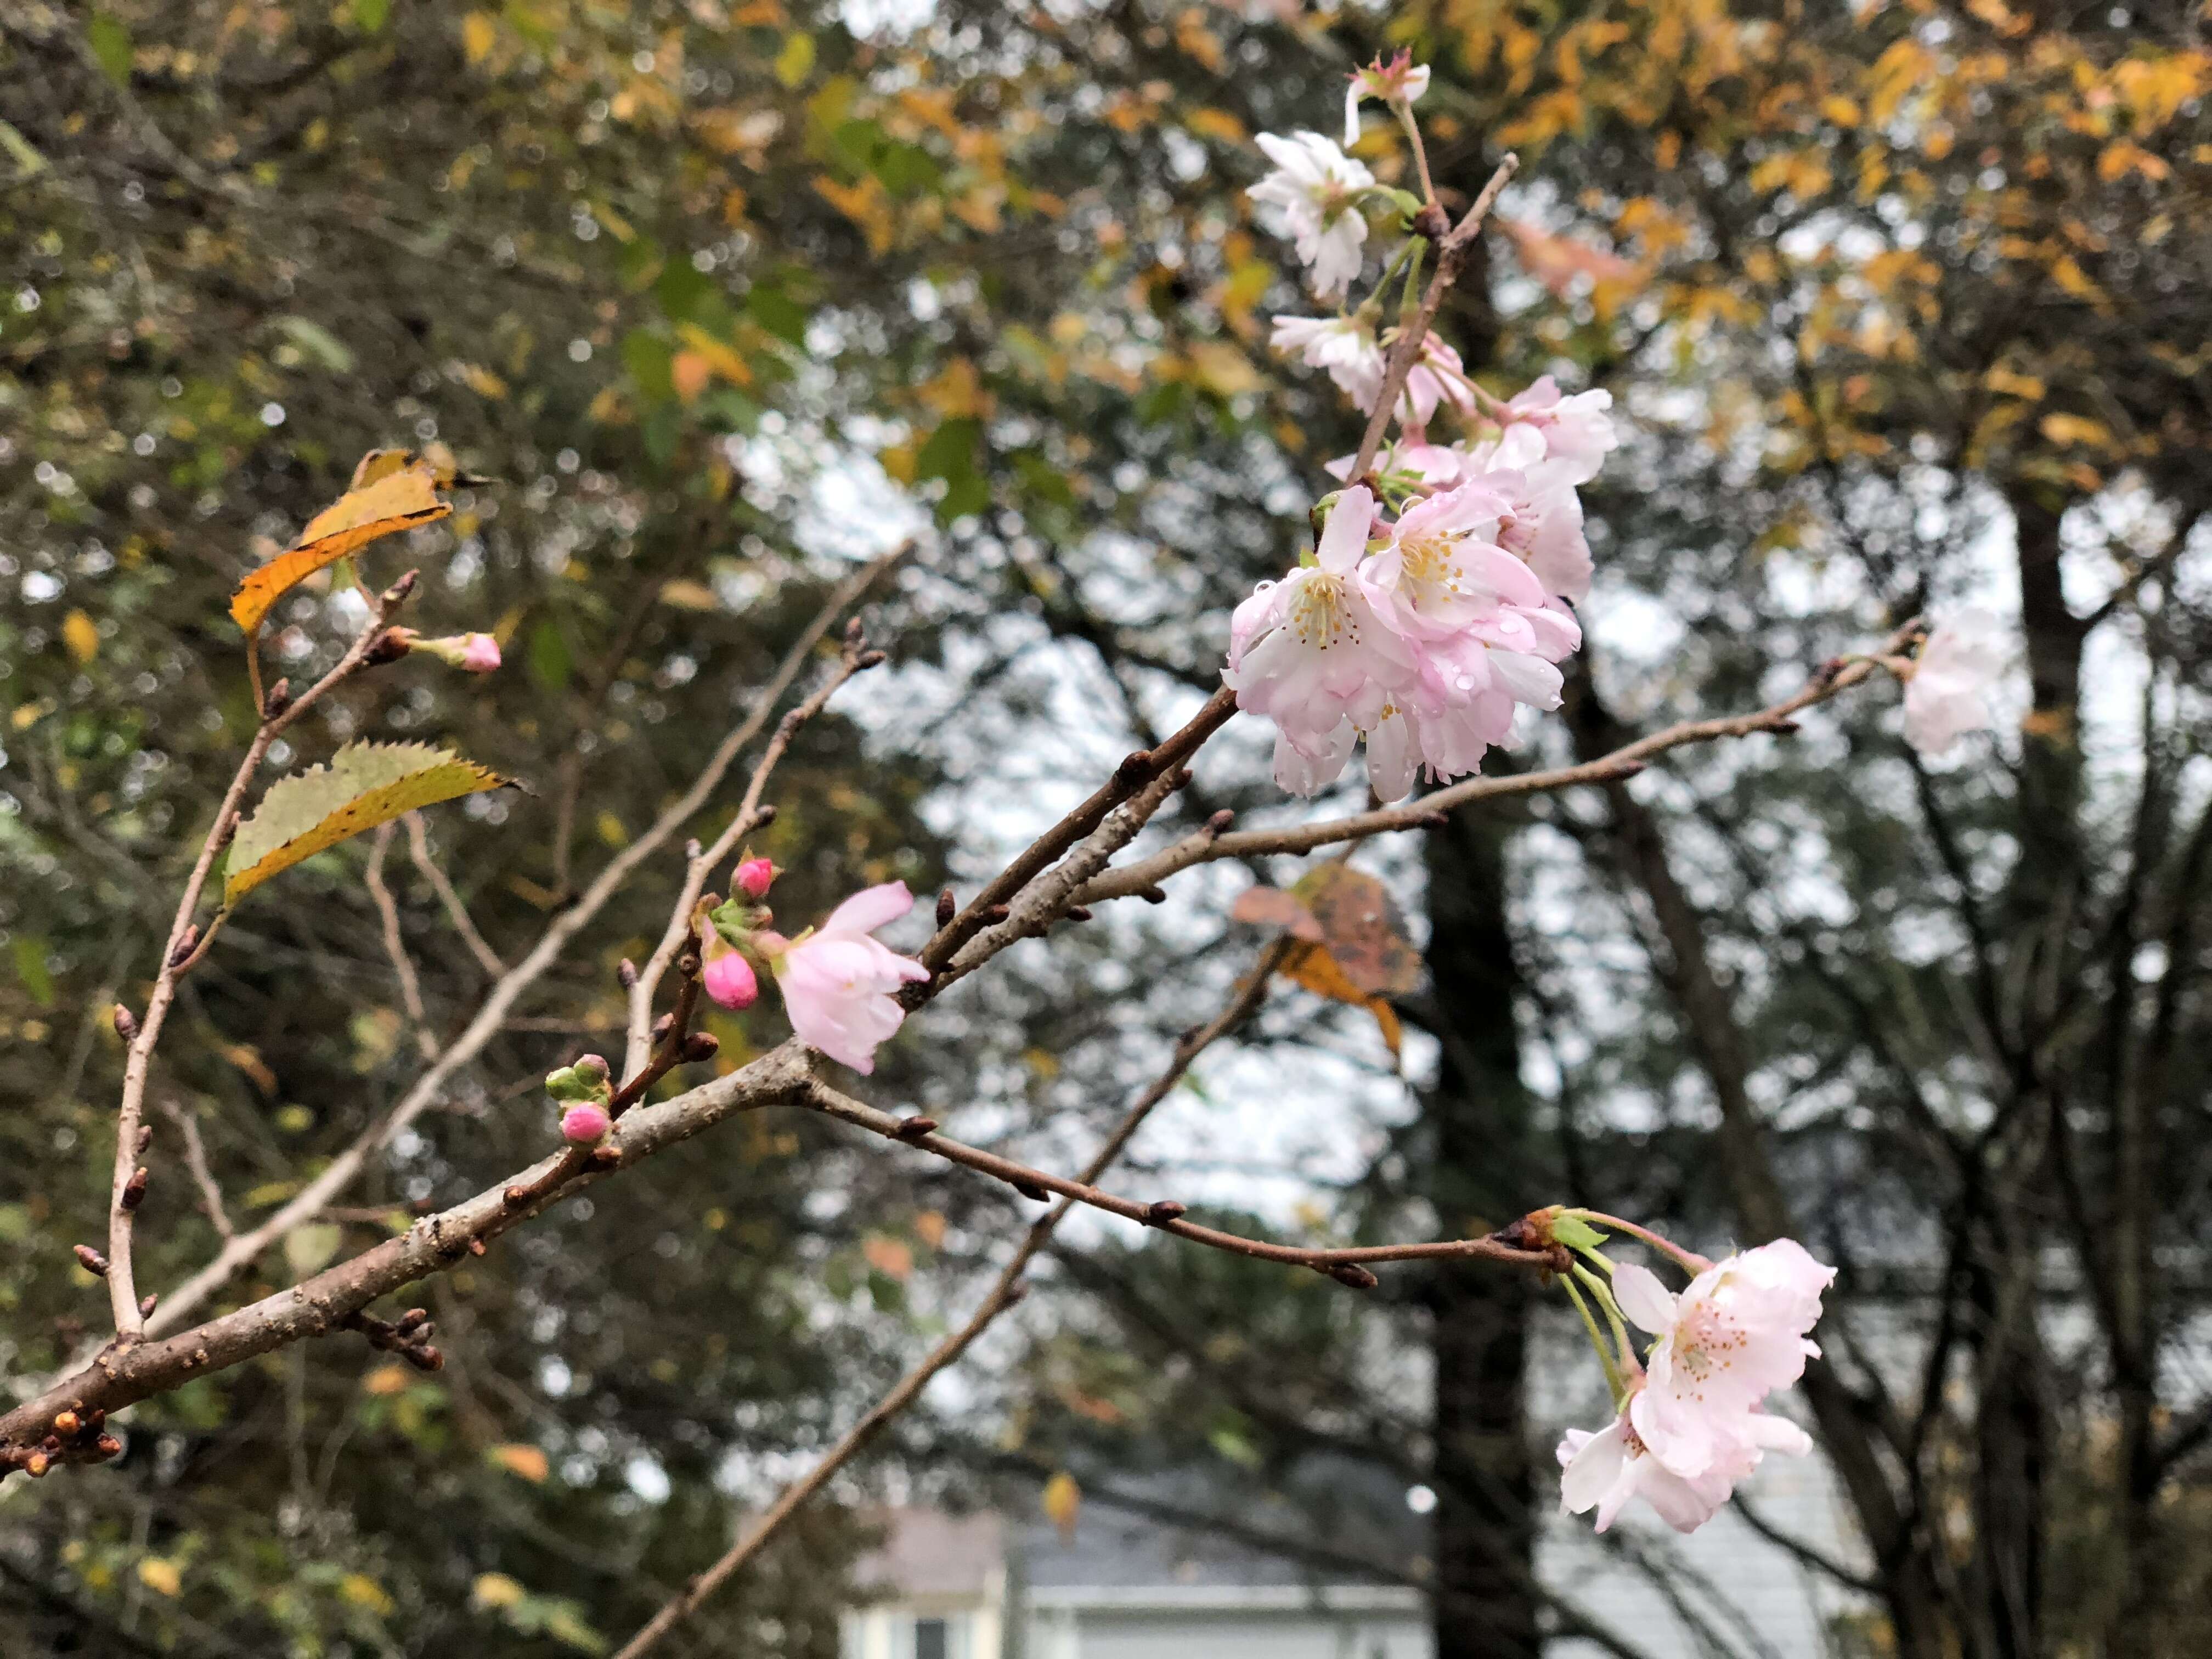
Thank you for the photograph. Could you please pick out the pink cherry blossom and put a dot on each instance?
(585, 1124)
(727, 976)
(1437, 377)
(479, 653)
(754, 877)
(1604, 1470)
(1345, 346)
(1577, 431)
(1318, 187)
(1311, 653)
(1736, 1334)
(1442, 569)
(1949, 693)
(1400, 81)
(838, 982)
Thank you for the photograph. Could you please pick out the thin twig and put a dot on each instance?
(195, 1162)
(1425, 812)
(491, 1015)
(182, 951)
(410, 988)
(1004, 1293)
(749, 817)
(1451, 254)
(418, 845)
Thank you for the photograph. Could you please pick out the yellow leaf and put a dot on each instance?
(2066, 430)
(687, 595)
(478, 33)
(796, 61)
(528, 1462)
(384, 1380)
(481, 382)
(867, 204)
(1313, 967)
(362, 1591)
(82, 634)
(610, 830)
(1063, 1501)
(929, 1228)
(495, 1589)
(398, 500)
(366, 784)
(161, 1577)
(1223, 369)
(1215, 123)
(2004, 381)
(723, 359)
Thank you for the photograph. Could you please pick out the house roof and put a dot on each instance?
(929, 1551)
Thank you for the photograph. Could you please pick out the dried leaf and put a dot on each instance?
(366, 784)
(82, 636)
(395, 495)
(308, 1249)
(1063, 1501)
(1313, 967)
(889, 1256)
(1363, 929)
(1556, 261)
(1271, 907)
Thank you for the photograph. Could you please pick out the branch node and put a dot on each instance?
(1162, 1210)
(1220, 821)
(914, 1128)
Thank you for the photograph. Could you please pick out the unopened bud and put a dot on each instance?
(37, 1464)
(397, 594)
(914, 1128)
(946, 908)
(701, 1045)
(276, 700)
(126, 1023)
(585, 1125)
(133, 1190)
(756, 876)
(727, 976)
(108, 1446)
(1220, 821)
(147, 1303)
(190, 936)
(1351, 1273)
(389, 646)
(1431, 222)
(67, 1423)
(626, 974)
(91, 1260)
(1030, 1190)
(872, 660)
(1165, 1210)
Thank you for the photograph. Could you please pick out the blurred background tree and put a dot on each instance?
(1902, 304)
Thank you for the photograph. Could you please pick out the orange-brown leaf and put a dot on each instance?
(1361, 925)
(1271, 907)
(394, 501)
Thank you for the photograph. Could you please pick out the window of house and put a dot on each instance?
(943, 1635)
(932, 1640)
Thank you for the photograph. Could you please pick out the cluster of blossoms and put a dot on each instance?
(1420, 630)
(1690, 1420)
(839, 984)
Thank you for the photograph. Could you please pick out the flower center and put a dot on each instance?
(1321, 613)
(1432, 573)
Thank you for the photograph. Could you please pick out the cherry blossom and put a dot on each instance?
(754, 877)
(1603, 1471)
(838, 983)
(1318, 188)
(1400, 81)
(1345, 346)
(1948, 692)
(1577, 431)
(1311, 653)
(476, 653)
(1736, 1334)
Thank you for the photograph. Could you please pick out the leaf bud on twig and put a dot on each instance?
(126, 1023)
(133, 1190)
(91, 1260)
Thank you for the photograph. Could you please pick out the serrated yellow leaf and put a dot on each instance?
(397, 500)
(82, 634)
(365, 784)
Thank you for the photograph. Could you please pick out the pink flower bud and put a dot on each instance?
(585, 1125)
(479, 653)
(728, 977)
(754, 877)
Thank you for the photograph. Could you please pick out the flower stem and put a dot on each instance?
(1604, 1356)
(1603, 1297)
(1689, 1259)
(1404, 111)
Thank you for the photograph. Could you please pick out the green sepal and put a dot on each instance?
(588, 1080)
(1576, 1233)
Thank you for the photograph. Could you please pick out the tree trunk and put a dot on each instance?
(1480, 1132)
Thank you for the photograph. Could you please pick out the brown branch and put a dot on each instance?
(1425, 812)
(183, 950)
(121, 1375)
(1405, 350)
(751, 815)
(1347, 1265)
(1135, 771)
(1007, 1289)
(501, 999)
(418, 846)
